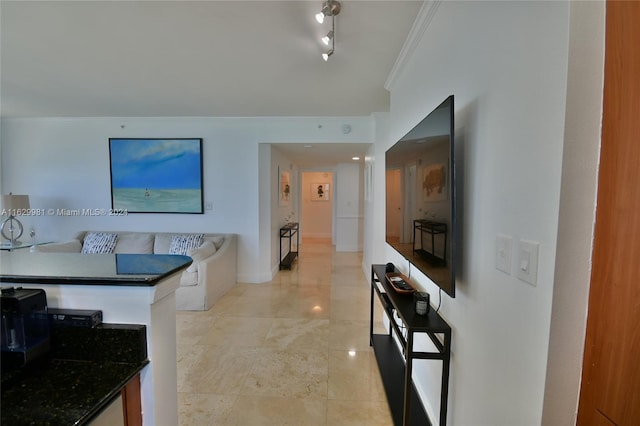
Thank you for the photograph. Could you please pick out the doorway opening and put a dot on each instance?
(316, 212)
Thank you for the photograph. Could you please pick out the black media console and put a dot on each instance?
(395, 369)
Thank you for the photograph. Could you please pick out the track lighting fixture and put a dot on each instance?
(329, 8)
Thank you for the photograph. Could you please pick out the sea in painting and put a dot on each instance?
(157, 200)
(156, 175)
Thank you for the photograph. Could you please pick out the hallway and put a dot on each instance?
(294, 351)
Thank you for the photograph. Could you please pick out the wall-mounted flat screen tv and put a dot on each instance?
(421, 197)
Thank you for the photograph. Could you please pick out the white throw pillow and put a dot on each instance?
(181, 243)
(197, 254)
(99, 243)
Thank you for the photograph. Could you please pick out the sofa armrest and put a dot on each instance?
(71, 246)
(217, 273)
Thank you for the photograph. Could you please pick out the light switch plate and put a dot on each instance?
(503, 253)
(528, 261)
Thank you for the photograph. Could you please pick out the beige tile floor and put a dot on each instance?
(294, 351)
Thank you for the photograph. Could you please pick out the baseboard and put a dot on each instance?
(315, 235)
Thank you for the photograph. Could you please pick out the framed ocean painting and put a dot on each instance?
(156, 175)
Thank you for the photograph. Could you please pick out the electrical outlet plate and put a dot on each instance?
(528, 261)
(503, 253)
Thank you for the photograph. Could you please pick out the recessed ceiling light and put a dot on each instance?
(355, 158)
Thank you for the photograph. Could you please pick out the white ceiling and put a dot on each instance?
(322, 155)
(196, 58)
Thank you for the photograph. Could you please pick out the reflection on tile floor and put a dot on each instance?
(294, 351)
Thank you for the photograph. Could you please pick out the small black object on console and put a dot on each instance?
(75, 317)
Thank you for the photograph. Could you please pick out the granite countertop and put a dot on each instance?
(89, 269)
(83, 373)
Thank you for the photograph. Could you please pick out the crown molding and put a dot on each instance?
(420, 25)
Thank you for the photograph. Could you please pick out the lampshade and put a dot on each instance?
(12, 206)
(14, 203)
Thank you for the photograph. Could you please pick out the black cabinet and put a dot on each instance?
(396, 366)
(287, 234)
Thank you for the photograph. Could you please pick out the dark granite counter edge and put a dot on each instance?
(124, 280)
(107, 399)
(82, 374)
(132, 277)
(130, 281)
(54, 394)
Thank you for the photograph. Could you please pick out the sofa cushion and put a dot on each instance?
(99, 242)
(197, 254)
(136, 243)
(189, 279)
(217, 241)
(162, 243)
(73, 246)
(181, 243)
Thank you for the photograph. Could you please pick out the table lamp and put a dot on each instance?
(12, 205)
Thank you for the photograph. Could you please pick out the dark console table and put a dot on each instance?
(432, 228)
(396, 367)
(287, 232)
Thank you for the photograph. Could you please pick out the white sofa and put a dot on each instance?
(209, 277)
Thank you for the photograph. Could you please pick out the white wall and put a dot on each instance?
(577, 212)
(506, 63)
(374, 246)
(281, 212)
(317, 216)
(64, 163)
(349, 199)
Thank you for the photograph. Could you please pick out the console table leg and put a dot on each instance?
(406, 414)
(371, 316)
(444, 392)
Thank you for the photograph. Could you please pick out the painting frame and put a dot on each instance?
(284, 187)
(320, 191)
(156, 175)
(435, 182)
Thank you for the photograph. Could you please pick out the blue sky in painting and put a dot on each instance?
(155, 163)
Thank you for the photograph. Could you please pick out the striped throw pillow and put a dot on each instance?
(99, 242)
(181, 243)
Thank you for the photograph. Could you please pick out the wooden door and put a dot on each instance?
(610, 392)
(394, 204)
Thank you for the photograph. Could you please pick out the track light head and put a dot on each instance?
(326, 55)
(329, 8)
(327, 39)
